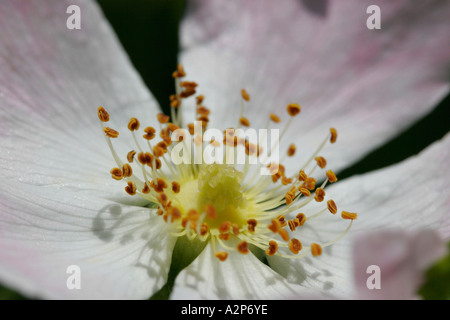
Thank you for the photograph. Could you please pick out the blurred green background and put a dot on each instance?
(148, 30)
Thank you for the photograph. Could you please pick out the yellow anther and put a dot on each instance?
(146, 189)
(333, 135)
(293, 223)
(245, 95)
(302, 175)
(193, 214)
(273, 247)
(126, 170)
(274, 118)
(285, 181)
(304, 191)
(252, 224)
(331, 176)
(199, 99)
(203, 111)
(176, 187)
(162, 118)
(130, 188)
(316, 249)
(244, 121)
(332, 206)
(130, 156)
(102, 114)
(133, 124)
(225, 227)
(145, 158)
(116, 174)
(349, 215)
(204, 229)
(301, 218)
(221, 255)
(293, 109)
(319, 195)
(283, 234)
(274, 226)
(174, 213)
(210, 211)
(291, 150)
(179, 73)
(295, 246)
(242, 247)
(310, 183)
(321, 162)
(110, 132)
(149, 133)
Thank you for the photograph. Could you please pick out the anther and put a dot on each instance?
(149, 133)
(179, 73)
(295, 246)
(331, 176)
(245, 95)
(302, 175)
(102, 114)
(332, 206)
(244, 121)
(273, 247)
(126, 170)
(333, 136)
(304, 191)
(349, 215)
(274, 226)
(293, 109)
(130, 188)
(310, 183)
(274, 118)
(225, 227)
(283, 234)
(252, 224)
(110, 132)
(321, 162)
(316, 249)
(221, 255)
(116, 174)
(243, 247)
(133, 124)
(210, 211)
(130, 156)
(319, 195)
(301, 218)
(175, 187)
(291, 150)
(162, 118)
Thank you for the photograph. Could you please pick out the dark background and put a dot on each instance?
(148, 30)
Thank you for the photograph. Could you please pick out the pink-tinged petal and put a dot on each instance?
(238, 277)
(407, 196)
(59, 205)
(390, 264)
(369, 84)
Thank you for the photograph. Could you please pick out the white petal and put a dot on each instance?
(238, 277)
(369, 84)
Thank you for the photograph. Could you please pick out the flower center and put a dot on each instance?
(232, 200)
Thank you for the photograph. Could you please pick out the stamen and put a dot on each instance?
(273, 247)
(221, 255)
(332, 206)
(331, 176)
(130, 188)
(349, 215)
(116, 174)
(295, 246)
(102, 114)
(293, 109)
(316, 249)
(242, 247)
(110, 132)
(333, 133)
